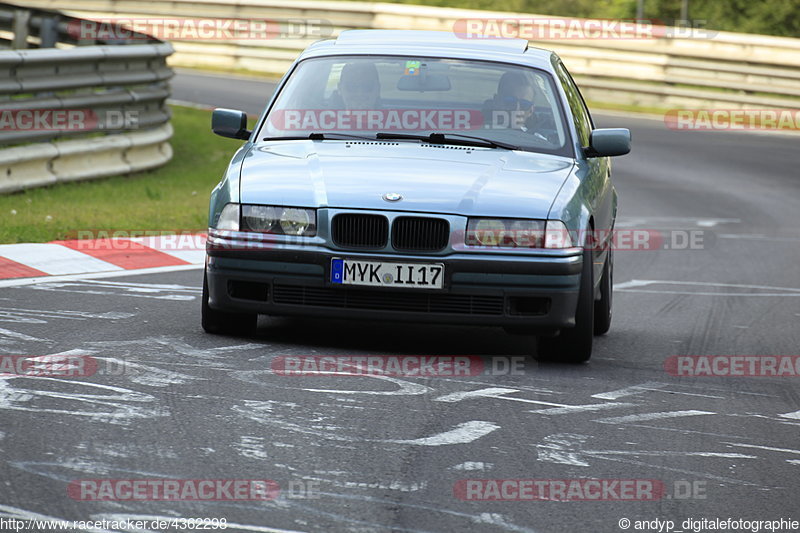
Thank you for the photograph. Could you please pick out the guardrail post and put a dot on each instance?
(48, 32)
(21, 29)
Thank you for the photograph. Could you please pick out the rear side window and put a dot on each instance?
(580, 114)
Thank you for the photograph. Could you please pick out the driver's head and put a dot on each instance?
(359, 86)
(515, 93)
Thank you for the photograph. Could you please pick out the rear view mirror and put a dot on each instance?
(609, 142)
(424, 82)
(230, 123)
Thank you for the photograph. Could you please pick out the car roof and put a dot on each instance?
(431, 44)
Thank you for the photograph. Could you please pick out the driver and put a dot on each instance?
(512, 107)
(359, 86)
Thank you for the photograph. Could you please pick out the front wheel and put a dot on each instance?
(220, 322)
(574, 345)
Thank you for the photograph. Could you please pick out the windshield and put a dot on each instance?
(364, 95)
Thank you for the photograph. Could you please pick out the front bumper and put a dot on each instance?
(534, 292)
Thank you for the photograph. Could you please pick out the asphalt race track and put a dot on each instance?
(389, 454)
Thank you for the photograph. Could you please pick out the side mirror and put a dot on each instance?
(609, 142)
(230, 123)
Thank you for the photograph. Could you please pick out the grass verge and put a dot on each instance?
(172, 197)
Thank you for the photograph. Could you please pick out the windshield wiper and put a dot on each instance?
(447, 138)
(316, 136)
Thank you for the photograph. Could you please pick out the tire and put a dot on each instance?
(222, 323)
(602, 307)
(574, 345)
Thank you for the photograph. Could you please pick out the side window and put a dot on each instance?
(583, 121)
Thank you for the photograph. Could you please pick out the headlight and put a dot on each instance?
(262, 218)
(505, 232)
(229, 218)
(486, 232)
(295, 221)
(557, 235)
(517, 233)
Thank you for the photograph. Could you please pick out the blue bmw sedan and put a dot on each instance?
(419, 176)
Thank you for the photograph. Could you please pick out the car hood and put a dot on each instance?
(430, 178)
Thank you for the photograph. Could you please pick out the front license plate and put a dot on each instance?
(380, 274)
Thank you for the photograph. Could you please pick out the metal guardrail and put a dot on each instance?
(730, 70)
(118, 89)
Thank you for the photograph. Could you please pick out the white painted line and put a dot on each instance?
(793, 416)
(627, 222)
(650, 386)
(668, 391)
(695, 293)
(405, 388)
(688, 431)
(570, 409)
(96, 275)
(667, 453)
(54, 259)
(498, 393)
(15, 335)
(633, 286)
(470, 466)
(692, 473)
(491, 392)
(651, 416)
(758, 238)
(461, 434)
(793, 461)
(769, 448)
(644, 282)
(630, 391)
(381, 485)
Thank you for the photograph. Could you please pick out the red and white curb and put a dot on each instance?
(58, 258)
